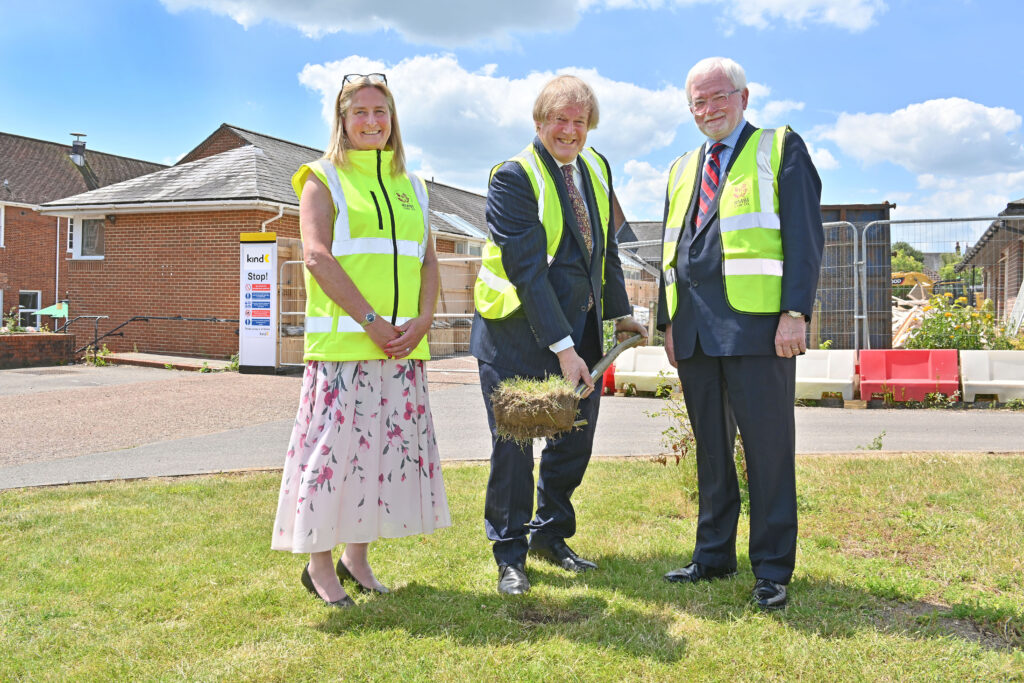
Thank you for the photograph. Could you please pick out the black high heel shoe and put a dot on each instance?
(307, 582)
(344, 573)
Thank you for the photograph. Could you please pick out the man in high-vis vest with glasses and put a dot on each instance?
(550, 275)
(741, 250)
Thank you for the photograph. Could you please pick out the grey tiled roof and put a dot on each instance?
(262, 170)
(642, 232)
(37, 171)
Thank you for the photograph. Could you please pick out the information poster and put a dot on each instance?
(257, 328)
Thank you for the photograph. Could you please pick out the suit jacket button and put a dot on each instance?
(583, 308)
(693, 252)
(693, 283)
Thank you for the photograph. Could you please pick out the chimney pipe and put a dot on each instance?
(78, 149)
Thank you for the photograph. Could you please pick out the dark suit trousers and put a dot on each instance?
(509, 500)
(754, 393)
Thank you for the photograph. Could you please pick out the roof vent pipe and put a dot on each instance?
(78, 149)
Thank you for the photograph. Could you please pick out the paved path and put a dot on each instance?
(157, 422)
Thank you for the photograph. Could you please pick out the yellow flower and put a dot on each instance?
(948, 314)
(948, 294)
(927, 308)
(974, 315)
(963, 298)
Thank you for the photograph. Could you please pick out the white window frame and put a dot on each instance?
(71, 235)
(3, 214)
(22, 310)
(79, 234)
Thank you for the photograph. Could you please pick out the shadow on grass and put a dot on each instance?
(477, 619)
(825, 607)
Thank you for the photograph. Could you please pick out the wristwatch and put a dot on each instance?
(368, 318)
(794, 314)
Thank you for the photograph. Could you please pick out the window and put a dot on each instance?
(88, 239)
(28, 304)
(71, 234)
(2, 213)
(468, 248)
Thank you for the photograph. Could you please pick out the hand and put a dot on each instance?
(627, 327)
(381, 332)
(789, 337)
(410, 334)
(670, 349)
(575, 370)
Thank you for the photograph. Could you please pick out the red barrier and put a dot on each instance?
(609, 380)
(908, 374)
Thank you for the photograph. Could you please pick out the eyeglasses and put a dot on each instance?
(371, 78)
(702, 106)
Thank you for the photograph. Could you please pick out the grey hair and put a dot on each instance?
(733, 71)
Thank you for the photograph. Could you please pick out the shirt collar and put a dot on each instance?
(729, 140)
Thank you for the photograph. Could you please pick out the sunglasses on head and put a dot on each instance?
(369, 78)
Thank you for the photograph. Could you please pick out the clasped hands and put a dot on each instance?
(398, 341)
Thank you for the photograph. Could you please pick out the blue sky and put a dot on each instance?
(917, 103)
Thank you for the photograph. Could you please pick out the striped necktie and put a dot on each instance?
(709, 182)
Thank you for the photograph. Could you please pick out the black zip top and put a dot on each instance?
(394, 234)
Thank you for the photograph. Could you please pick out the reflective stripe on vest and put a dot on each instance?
(379, 239)
(748, 217)
(494, 295)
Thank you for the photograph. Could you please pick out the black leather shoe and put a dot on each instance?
(307, 581)
(345, 575)
(770, 595)
(512, 579)
(558, 553)
(695, 571)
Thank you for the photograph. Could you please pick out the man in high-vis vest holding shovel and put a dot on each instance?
(741, 251)
(550, 275)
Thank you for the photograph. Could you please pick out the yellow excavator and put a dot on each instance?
(909, 279)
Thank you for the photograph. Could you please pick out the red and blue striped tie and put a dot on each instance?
(709, 182)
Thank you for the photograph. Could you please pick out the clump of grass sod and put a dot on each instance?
(526, 409)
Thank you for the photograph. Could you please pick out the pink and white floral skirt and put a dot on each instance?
(362, 462)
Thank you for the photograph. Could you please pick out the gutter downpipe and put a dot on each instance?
(280, 212)
(56, 269)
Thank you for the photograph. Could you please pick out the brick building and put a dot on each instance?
(999, 254)
(36, 250)
(169, 240)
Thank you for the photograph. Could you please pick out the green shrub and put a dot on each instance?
(952, 324)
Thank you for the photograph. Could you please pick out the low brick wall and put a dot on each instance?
(25, 350)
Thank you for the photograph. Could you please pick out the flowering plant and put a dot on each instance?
(952, 324)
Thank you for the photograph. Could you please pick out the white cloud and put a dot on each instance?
(454, 23)
(450, 23)
(947, 196)
(852, 15)
(822, 158)
(765, 113)
(457, 124)
(950, 136)
(642, 195)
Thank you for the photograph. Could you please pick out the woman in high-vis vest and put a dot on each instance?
(362, 462)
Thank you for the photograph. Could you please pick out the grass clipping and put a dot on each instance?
(526, 409)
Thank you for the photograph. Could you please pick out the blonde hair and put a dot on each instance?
(564, 91)
(339, 143)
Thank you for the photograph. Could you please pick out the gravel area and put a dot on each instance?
(59, 424)
(54, 413)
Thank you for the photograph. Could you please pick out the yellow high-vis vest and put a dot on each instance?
(748, 215)
(494, 296)
(380, 240)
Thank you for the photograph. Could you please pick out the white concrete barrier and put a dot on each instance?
(822, 371)
(1000, 373)
(645, 368)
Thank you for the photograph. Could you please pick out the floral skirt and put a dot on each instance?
(362, 462)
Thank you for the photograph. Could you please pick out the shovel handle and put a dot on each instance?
(607, 360)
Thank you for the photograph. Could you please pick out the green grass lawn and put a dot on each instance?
(908, 567)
